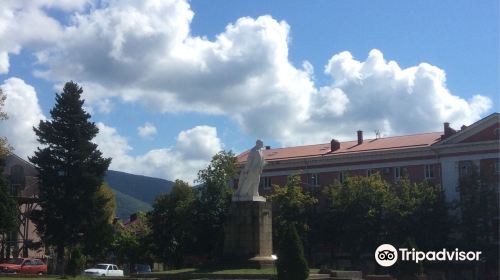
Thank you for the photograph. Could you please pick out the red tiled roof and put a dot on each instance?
(349, 147)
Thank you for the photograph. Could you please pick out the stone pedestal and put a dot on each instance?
(248, 234)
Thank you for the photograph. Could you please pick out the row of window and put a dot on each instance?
(465, 168)
(313, 178)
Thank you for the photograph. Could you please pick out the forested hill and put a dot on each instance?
(140, 188)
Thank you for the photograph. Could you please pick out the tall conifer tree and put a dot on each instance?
(70, 169)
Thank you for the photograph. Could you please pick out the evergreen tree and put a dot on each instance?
(70, 169)
(291, 264)
(97, 241)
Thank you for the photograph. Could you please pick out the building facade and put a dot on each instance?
(439, 157)
(22, 181)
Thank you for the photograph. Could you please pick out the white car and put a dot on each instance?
(104, 269)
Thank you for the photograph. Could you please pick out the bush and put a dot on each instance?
(76, 263)
(291, 263)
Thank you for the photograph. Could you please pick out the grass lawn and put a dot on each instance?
(55, 277)
(176, 272)
(242, 271)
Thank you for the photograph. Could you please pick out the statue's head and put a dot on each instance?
(259, 144)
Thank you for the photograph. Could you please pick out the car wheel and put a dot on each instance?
(40, 273)
(103, 275)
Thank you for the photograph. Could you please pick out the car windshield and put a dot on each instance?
(15, 261)
(101, 266)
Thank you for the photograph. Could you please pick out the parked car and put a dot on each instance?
(24, 265)
(142, 268)
(103, 269)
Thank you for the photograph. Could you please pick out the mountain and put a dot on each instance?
(127, 205)
(135, 192)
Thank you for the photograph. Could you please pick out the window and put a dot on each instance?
(265, 183)
(429, 171)
(369, 172)
(397, 173)
(342, 176)
(314, 179)
(496, 166)
(465, 168)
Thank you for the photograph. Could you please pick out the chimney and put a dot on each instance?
(448, 131)
(268, 147)
(334, 145)
(360, 137)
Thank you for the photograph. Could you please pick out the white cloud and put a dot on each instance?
(143, 51)
(147, 130)
(23, 113)
(193, 151)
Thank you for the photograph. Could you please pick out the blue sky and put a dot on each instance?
(171, 82)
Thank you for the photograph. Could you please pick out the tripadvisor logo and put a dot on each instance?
(387, 255)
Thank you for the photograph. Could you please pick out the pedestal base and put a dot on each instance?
(248, 234)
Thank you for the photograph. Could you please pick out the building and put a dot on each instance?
(22, 181)
(440, 157)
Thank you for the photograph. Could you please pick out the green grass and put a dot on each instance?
(55, 277)
(241, 271)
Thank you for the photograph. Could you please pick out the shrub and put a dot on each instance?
(291, 263)
(76, 263)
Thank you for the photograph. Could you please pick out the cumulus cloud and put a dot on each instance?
(27, 24)
(23, 113)
(147, 130)
(143, 51)
(193, 151)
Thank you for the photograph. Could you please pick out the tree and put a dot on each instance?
(4, 146)
(70, 170)
(416, 212)
(478, 209)
(291, 204)
(367, 211)
(213, 202)
(8, 207)
(9, 211)
(98, 239)
(291, 264)
(132, 241)
(355, 214)
(172, 223)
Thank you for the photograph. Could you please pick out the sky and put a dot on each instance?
(171, 83)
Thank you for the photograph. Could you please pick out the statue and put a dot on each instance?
(248, 185)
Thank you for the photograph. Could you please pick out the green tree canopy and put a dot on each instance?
(8, 206)
(479, 207)
(291, 203)
(70, 169)
(4, 146)
(173, 223)
(132, 242)
(356, 212)
(366, 211)
(213, 201)
(99, 237)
